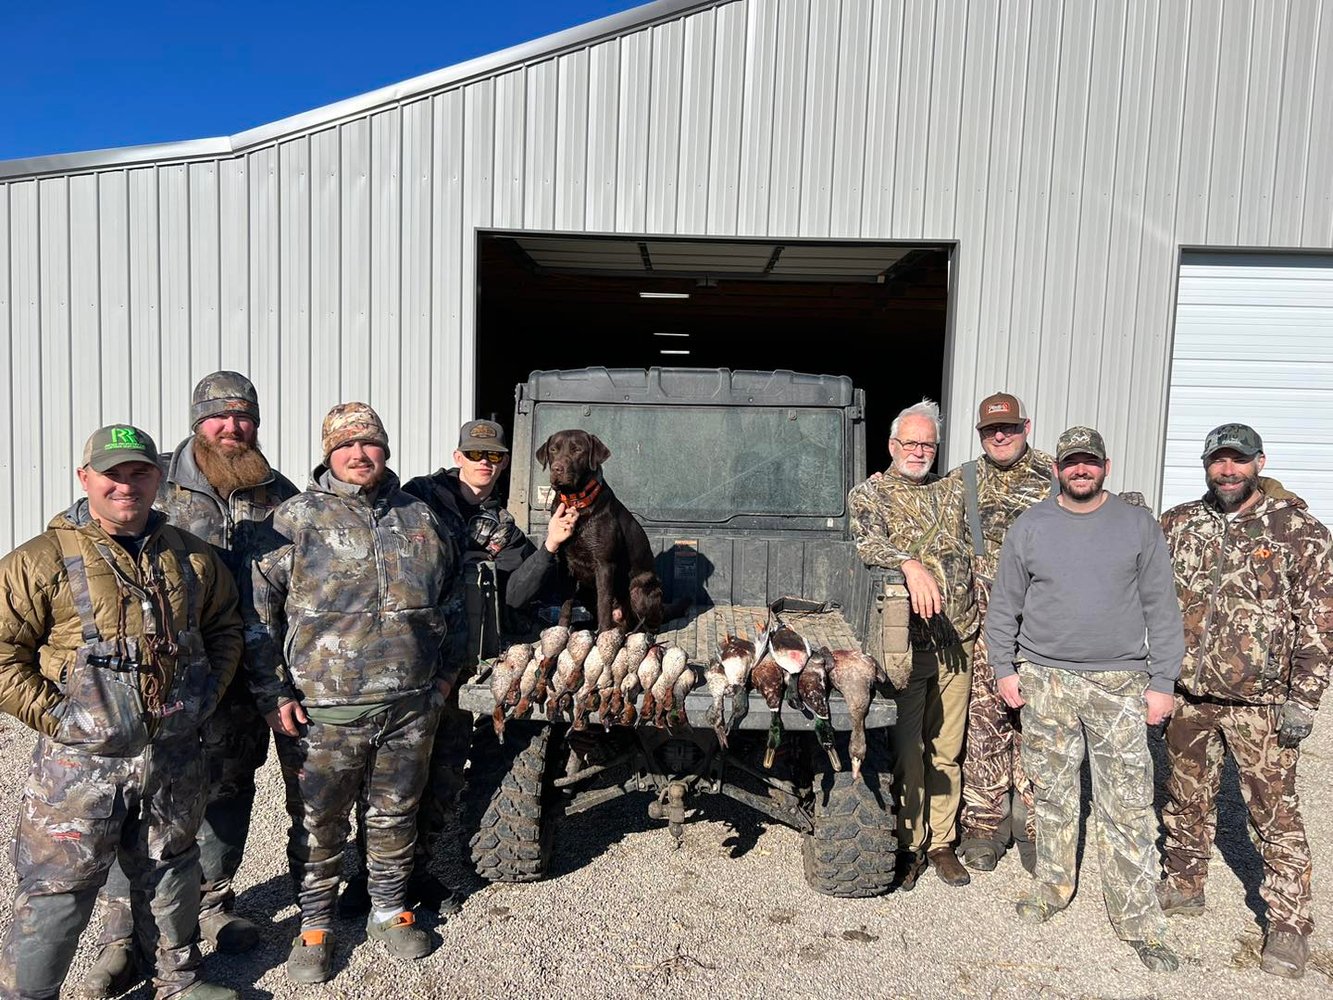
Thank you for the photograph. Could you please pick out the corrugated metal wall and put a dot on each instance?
(1070, 148)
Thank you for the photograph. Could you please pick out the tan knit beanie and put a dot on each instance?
(348, 422)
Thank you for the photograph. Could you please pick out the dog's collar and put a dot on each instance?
(583, 498)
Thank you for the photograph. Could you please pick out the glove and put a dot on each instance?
(1294, 724)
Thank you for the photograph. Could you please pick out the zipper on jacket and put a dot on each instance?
(1205, 645)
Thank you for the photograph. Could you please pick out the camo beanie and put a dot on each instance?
(222, 393)
(348, 422)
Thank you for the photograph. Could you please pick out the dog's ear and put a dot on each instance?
(543, 452)
(600, 452)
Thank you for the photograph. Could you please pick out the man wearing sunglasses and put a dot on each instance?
(1009, 478)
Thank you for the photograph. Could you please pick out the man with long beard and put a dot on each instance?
(1252, 569)
(219, 486)
(1084, 578)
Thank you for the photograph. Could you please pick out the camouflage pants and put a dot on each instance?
(927, 743)
(1067, 710)
(79, 813)
(997, 795)
(1196, 738)
(235, 745)
(384, 757)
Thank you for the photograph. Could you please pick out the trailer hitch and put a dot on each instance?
(670, 806)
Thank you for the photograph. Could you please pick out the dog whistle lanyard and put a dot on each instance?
(582, 499)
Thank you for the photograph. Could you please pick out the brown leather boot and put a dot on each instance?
(948, 867)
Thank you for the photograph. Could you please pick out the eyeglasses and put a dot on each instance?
(926, 446)
(494, 457)
(1010, 430)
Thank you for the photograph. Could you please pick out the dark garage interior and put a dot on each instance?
(876, 312)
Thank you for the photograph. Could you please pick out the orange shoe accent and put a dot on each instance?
(312, 939)
(405, 919)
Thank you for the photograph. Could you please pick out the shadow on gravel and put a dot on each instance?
(1232, 842)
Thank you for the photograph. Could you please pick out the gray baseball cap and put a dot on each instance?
(1080, 440)
(115, 445)
(482, 435)
(1238, 437)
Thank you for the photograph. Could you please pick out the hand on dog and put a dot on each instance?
(561, 527)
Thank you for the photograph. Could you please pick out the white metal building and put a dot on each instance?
(1085, 167)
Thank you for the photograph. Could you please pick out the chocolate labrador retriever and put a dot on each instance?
(608, 554)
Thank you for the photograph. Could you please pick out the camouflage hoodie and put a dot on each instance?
(1256, 593)
(1003, 494)
(40, 633)
(348, 607)
(895, 519)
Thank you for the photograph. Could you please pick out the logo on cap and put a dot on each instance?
(483, 431)
(998, 408)
(123, 437)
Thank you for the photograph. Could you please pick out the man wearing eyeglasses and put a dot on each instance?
(1010, 477)
(901, 521)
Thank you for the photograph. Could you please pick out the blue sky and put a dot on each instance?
(81, 75)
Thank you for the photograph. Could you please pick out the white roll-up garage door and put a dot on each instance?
(1254, 343)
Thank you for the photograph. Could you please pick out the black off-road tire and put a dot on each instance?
(853, 848)
(507, 806)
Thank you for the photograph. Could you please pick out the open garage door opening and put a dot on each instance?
(875, 312)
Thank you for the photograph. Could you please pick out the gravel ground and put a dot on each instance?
(729, 914)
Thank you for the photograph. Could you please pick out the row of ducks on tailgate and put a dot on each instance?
(576, 674)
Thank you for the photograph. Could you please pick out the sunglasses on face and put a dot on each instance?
(1010, 430)
(494, 457)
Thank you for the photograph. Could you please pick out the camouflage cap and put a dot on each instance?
(1080, 440)
(348, 422)
(1000, 408)
(221, 393)
(115, 445)
(482, 435)
(1238, 437)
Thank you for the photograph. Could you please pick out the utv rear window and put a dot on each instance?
(709, 463)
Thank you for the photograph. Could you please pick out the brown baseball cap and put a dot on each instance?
(1000, 408)
(482, 435)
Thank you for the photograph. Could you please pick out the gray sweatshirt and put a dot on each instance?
(1084, 592)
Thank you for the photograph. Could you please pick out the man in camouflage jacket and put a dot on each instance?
(1011, 476)
(118, 635)
(1255, 582)
(219, 487)
(901, 521)
(345, 640)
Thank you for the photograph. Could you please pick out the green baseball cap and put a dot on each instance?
(1238, 437)
(1080, 441)
(116, 444)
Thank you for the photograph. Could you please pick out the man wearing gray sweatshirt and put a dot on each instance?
(1085, 638)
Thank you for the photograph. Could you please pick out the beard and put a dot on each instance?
(230, 469)
(1082, 488)
(1237, 500)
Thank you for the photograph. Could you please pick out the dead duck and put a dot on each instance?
(680, 692)
(737, 655)
(716, 679)
(649, 670)
(791, 651)
(568, 670)
(855, 674)
(598, 662)
(770, 680)
(812, 686)
(553, 642)
(506, 674)
(527, 686)
(624, 665)
(674, 662)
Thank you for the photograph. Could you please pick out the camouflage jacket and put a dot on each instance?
(893, 520)
(234, 526)
(1257, 597)
(349, 604)
(40, 631)
(1003, 494)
